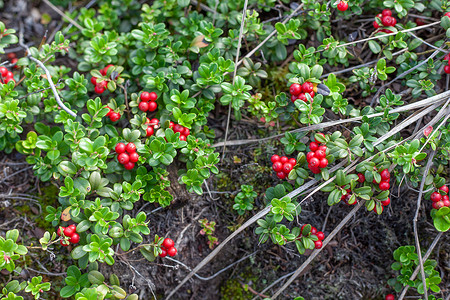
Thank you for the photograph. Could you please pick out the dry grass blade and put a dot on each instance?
(419, 104)
(62, 14)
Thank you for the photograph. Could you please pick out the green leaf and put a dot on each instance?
(374, 46)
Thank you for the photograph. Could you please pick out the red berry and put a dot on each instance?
(134, 157)
(69, 231)
(293, 98)
(145, 96)
(376, 25)
(420, 22)
(120, 148)
(154, 122)
(123, 158)
(435, 197)
(64, 243)
(313, 146)
(320, 235)
(73, 226)
(152, 106)
(3, 71)
(385, 175)
(318, 244)
(287, 167)
(168, 243)
(384, 186)
(314, 162)
(320, 133)
(444, 188)
(75, 238)
(107, 67)
(130, 148)
(447, 69)
(143, 106)
(386, 202)
(393, 21)
(323, 148)
(389, 297)
(281, 175)
(153, 96)
(8, 79)
(9, 74)
(303, 227)
(375, 209)
(171, 124)
(307, 87)
(386, 12)
(311, 94)
(387, 21)
(277, 167)
(178, 128)
(302, 97)
(186, 131)
(447, 14)
(313, 230)
(172, 251)
(275, 158)
(129, 165)
(114, 116)
(446, 202)
(284, 159)
(310, 155)
(315, 170)
(11, 55)
(292, 161)
(58, 232)
(110, 111)
(163, 253)
(149, 131)
(445, 198)
(320, 154)
(183, 138)
(94, 80)
(295, 89)
(361, 178)
(342, 6)
(323, 163)
(99, 89)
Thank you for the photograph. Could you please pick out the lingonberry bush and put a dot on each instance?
(130, 117)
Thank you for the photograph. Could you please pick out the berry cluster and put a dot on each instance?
(282, 165)
(100, 87)
(342, 6)
(13, 59)
(320, 235)
(69, 232)
(385, 178)
(148, 101)
(113, 116)
(168, 248)
(316, 158)
(447, 58)
(440, 198)
(299, 91)
(6, 76)
(386, 19)
(153, 124)
(127, 155)
(184, 131)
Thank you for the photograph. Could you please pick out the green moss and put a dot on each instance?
(235, 288)
(49, 196)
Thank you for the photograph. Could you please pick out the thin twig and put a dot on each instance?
(62, 14)
(416, 271)
(241, 33)
(218, 272)
(50, 82)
